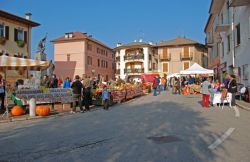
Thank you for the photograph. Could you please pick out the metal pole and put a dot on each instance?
(233, 38)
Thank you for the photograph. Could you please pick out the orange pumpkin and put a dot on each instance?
(42, 110)
(17, 111)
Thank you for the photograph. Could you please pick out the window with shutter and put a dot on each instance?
(185, 65)
(165, 67)
(20, 35)
(7, 32)
(186, 52)
(165, 53)
(2, 30)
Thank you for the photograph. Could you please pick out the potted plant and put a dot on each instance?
(2, 40)
(20, 43)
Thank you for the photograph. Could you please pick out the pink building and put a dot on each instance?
(77, 53)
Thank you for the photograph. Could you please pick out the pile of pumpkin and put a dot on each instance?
(40, 110)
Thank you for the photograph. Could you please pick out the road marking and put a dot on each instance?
(221, 139)
(237, 112)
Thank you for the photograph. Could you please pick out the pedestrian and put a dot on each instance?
(87, 98)
(232, 88)
(66, 83)
(2, 92)
(158, 84)
(60, 82)
(77, 94)
(31, 81)
(177, 86)
(163, 84)
(105, 98)
(205, 90)
(155, 84)
(86, 82)
(53, 82)
(45, 81)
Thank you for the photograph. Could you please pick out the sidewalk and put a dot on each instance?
(243, 104)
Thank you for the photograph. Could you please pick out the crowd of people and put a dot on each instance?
(209, 88)
(82, 88)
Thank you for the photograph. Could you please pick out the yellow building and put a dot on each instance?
(15, 39)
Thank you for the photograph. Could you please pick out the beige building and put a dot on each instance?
(15, 40)
(15, 34)
(77, 53)
(179, 54)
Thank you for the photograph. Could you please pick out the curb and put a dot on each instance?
(13, 119)
(243, 107)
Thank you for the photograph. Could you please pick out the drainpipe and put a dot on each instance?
(233, 37)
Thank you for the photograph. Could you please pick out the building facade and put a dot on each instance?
(77, 53)
(228, 33)
(15, 40)
(15, 34)
(134, 59)
(179, 54)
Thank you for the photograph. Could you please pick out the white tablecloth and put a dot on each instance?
(217, 98)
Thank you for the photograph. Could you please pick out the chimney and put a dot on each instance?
(28, 16)
(118, 44)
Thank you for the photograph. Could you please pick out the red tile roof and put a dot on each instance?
(78, 36)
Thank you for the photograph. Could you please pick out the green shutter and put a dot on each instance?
(7, 32)
(15, 35)
(25, 36)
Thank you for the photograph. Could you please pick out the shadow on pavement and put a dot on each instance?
(123, 133)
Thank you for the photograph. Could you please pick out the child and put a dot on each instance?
(105, 98)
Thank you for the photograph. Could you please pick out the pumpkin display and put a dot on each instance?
(17, 111)
(42, 110)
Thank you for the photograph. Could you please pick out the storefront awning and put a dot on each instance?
(15, 62)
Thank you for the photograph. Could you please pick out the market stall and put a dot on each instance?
(118, 94)
(18, 64)
(195, 69)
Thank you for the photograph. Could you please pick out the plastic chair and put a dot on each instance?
(227, 99)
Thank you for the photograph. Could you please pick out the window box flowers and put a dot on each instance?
(20, 43)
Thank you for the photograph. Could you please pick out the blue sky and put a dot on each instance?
(112, 21)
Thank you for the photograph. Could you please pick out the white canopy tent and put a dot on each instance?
(196, 69)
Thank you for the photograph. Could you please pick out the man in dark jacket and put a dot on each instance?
(232, 88)
(77, 93)
(53, 82)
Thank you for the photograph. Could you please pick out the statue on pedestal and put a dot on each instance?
(40, 54)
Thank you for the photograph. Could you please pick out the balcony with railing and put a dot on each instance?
(135, 70)
(236, 3)
(134, 57)
(165, 57)
(186, 57)
(117, 58)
